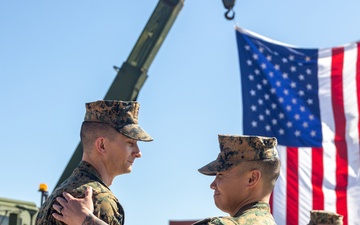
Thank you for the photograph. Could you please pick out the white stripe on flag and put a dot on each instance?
(305, 184)
(279, 193)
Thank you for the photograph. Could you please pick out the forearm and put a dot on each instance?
(93, 220)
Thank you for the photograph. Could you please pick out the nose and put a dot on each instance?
(136, 153)
(213, 184)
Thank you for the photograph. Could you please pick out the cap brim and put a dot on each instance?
(211, 168)
(134, 131)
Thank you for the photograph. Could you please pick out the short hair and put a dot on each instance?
(90, 131)
(270, 170)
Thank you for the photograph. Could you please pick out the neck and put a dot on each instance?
(100, 166)
(254, 198)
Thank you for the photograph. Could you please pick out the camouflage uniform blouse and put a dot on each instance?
(106, 205)
(255, 213)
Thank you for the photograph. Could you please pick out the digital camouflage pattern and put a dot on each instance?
(235, 149)
(106, 205)
(257, 213)
(121, 115)
(325, 217)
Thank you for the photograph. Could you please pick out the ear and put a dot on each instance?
(253, 178)
(100, 145)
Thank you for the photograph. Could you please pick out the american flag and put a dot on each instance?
(309, 99)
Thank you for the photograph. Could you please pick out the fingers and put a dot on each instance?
(57, 207)
(67, 196)
(61, 201)
(58, 216)
(88, 192)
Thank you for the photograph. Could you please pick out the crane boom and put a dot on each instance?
(133, 73)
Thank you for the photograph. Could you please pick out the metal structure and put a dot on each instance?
(44, 193)
(14, 212)
(229, 5)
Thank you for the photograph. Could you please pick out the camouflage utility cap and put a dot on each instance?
(121, 115)
(235, 149)
(325, 217)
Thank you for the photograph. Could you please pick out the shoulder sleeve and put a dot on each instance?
(216, 221)
(108, 209)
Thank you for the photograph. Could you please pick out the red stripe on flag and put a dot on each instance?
(337, 65)
(317, 178)
(292, 187)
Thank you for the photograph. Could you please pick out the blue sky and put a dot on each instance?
(57, 55)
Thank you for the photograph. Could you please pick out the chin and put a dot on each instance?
(219, 205)
(125, 171)
(222, 208)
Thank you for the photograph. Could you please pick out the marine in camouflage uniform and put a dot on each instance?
(254, 213)
(106, 205)
(236, 152)
(123, 117)
(322, 217)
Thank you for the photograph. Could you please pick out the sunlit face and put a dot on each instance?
(229, 189)
(121, 152)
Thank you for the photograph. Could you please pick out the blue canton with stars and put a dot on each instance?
(279, 92)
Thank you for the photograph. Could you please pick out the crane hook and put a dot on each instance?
(227, 14)
(229, 4)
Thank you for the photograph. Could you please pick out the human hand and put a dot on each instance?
(72, 210)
